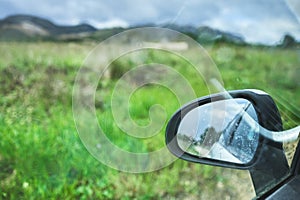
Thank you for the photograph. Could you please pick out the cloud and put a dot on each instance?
(294, 6)
(109, 24)
(265, 30)
(257, 20)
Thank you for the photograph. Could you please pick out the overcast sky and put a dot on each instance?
(264, 21)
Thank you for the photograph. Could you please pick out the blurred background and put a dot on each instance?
(44, 43)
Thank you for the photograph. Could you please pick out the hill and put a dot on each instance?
(33, 28)
(26, 27)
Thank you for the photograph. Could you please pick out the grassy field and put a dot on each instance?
(42, 157)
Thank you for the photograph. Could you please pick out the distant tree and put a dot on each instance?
(288, 41)
(202, 136)
(209, 137)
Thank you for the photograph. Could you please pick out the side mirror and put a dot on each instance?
(216, 130)
(219, 130)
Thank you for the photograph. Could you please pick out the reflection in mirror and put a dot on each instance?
(219, 130)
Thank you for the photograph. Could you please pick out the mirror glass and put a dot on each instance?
(224, 130)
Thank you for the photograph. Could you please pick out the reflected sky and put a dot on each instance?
(219, 130)
(217, 115)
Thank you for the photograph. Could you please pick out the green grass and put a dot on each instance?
(42, 157)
